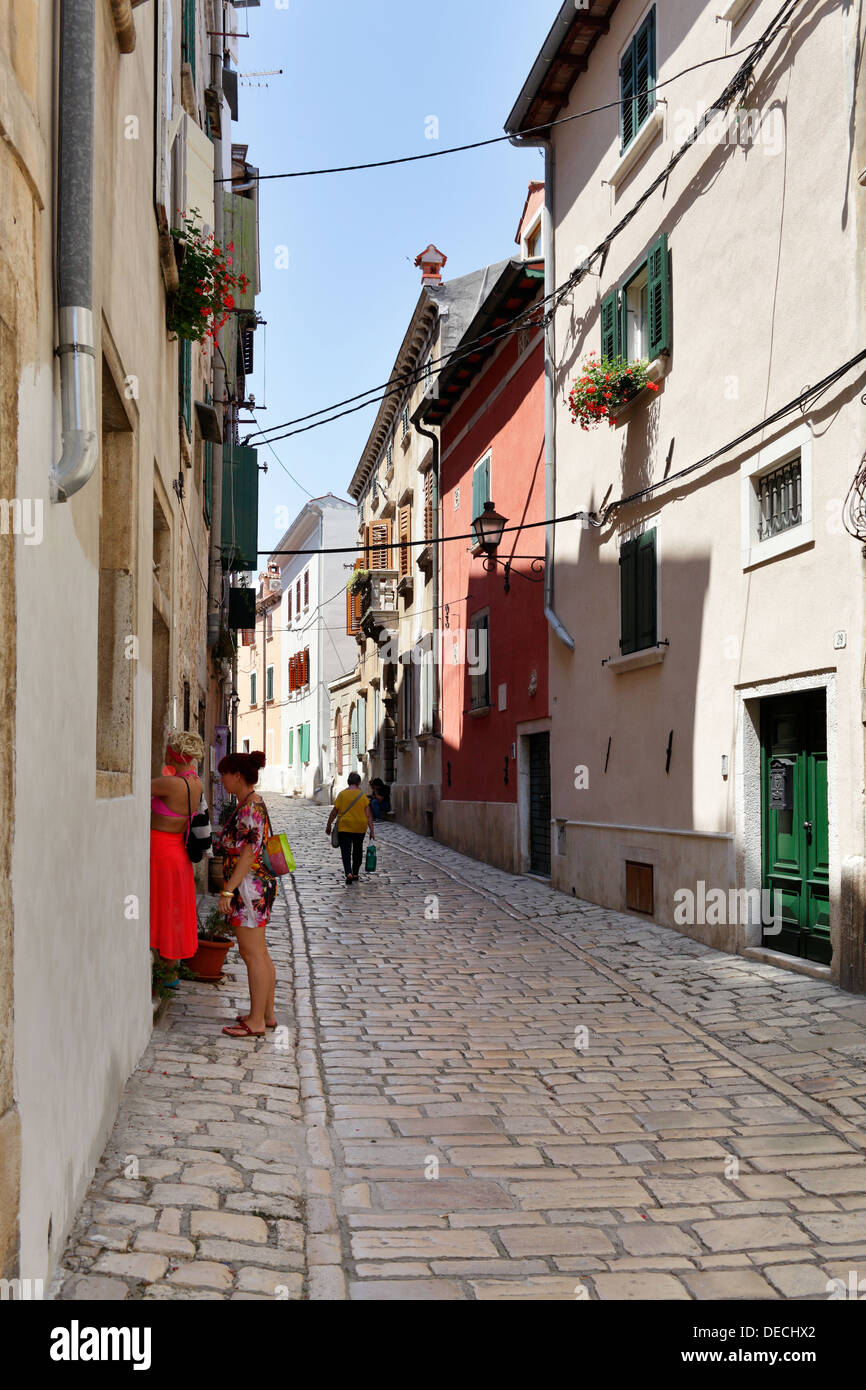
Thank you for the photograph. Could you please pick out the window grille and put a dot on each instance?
(780, 499)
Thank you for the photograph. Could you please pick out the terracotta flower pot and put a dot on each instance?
(208, 961)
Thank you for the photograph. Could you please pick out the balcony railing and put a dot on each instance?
(379, 601)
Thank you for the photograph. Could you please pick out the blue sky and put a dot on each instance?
(359, 83)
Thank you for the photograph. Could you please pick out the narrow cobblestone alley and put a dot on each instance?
(482, 1089)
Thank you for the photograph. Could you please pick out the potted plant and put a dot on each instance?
(604, 386)
(214, 939)
(357, 581)
(204, 297)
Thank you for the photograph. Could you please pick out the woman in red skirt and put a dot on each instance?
(173, 917)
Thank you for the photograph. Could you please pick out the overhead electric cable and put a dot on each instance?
(736, 84)
(494, 139)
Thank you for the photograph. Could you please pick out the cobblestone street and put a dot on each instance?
(482, 1089)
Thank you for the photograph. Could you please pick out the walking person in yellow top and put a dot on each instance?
(352, 813)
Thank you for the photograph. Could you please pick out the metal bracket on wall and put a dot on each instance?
(669, 751)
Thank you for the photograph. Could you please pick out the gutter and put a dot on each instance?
(216, 583)
(550, 614)
(80, 437)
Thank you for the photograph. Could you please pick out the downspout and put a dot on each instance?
(434, 469)
(549, 392)
(215, 574)
(80, 437)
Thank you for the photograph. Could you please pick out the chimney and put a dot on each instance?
(431, 262)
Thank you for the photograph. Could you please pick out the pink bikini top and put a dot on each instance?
(158, 806)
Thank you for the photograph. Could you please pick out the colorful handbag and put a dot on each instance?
(370, 861)
(277, 857)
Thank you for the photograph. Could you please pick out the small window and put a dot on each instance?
(289, 603)
(638, 587)
(780, 499)
(269, 626)
(253, 688)
(478, 659)
(405, 420)
(407, 701)
(306, 589)
(639, 887)
(389, 457)
(635, 316)
(533, 242)
(269, 684)
(636, 311)
(637, 81)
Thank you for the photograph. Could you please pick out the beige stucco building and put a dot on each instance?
(706, 615)
(106, 506)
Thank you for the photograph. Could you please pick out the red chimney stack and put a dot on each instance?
(431, 262)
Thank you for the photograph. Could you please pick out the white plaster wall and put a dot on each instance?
(82, 967)
(762, 251)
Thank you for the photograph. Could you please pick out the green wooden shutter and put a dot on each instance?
(291, 747)
(610, 327)
(240, 520)
(304, 732)
(627, 126)
(628, 597)
(252, 687)
(269, 683)
(645, 69)
(188, 34)
(659, 292)
(646, 577)
(362, 725)
(185, 383)
(480, 487)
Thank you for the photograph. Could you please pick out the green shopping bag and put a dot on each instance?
(370, 861)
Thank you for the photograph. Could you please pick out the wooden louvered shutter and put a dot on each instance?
(380, 545)
(291, 673)
(610, 327)
(646, 591)
(306, 666)
(628, 597)
(645, 69)
(658, 295)
(306, 588)
(353, 607)
(627, 124)
(405, 523)
(428, 506)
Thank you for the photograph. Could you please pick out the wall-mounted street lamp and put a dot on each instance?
(489, 528)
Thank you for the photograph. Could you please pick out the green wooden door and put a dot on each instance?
(795, 839)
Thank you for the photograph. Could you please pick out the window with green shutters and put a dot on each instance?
(207, 479)
(187, 39)
(637, 81)
(185, 384)
(480, 486)
(648, 285)
(291, 747)
(638, 593)
(252, 688)
(304, 733)
(269, 683)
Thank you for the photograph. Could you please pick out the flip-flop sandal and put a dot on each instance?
(239, 1019)
(240, 1030)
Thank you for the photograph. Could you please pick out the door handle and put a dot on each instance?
(807, 826)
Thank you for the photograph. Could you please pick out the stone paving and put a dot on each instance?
(492, 1091)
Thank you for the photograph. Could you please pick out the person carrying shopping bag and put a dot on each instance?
(351, 812)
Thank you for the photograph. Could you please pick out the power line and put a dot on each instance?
(495, 139)
(737, 83)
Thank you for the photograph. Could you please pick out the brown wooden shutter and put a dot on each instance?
(428, 505)
(405, 541)
(306, 588)
(306, 666)
(380, 545)
(353, 607)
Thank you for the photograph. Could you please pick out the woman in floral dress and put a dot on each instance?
(249, 892)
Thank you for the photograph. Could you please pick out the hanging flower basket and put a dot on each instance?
(604, 385)
(205, 296)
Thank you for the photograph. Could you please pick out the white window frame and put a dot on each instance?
(536, 225)
(788, 446)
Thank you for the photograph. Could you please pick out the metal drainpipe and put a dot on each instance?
(76, 351)
(549, 393)
(434, 469)
(215, 575)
